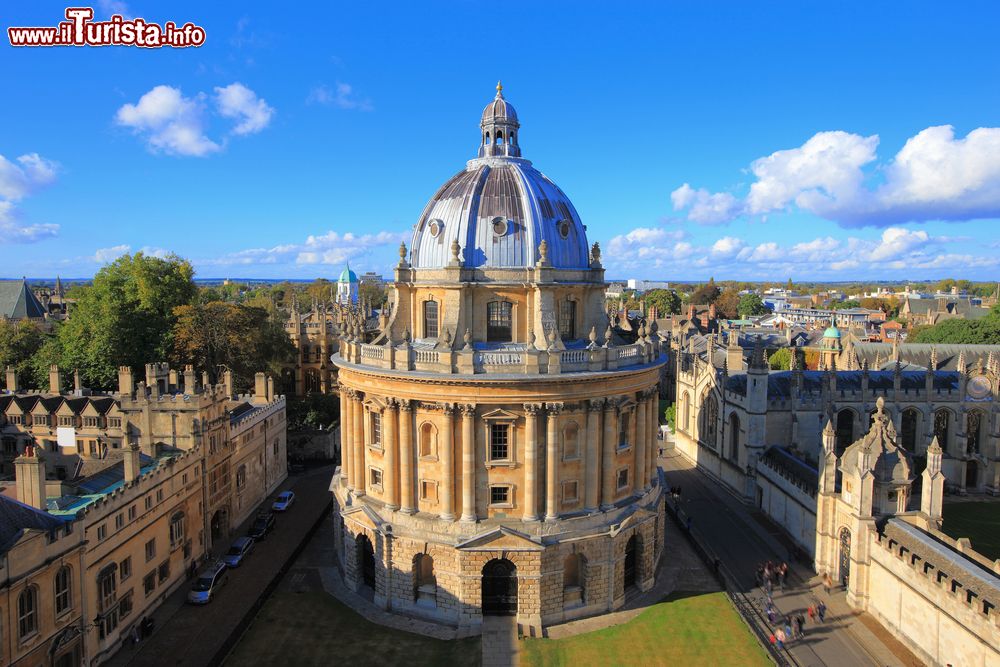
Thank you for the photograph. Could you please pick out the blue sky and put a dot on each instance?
(734, 140)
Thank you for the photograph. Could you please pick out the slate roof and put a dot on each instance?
(779, 383)
(17, 301)
(16, 517)
(918, 355)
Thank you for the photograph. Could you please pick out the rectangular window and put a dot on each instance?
(571, 491)
(65, 420)
(430, 319)
(499, 442)
(623, 436)
(149, 503)
(375, 477)
(567, 319)
(499, 321)
(125, 568)
(151, 550)
(102, 532)
(376, 428)
(114, 422)
(164, 571)
(159, 495)
(149, 583)
(622, 478)
(500, 495)
(131, 512)
(125, 605)
(428, 490)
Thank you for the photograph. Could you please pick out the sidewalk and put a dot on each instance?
(741, 539)
(191, 635)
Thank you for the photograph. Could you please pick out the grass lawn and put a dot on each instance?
(316, 629)
(979, 521)
(686, 629)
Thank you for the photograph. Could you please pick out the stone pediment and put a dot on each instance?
(501, 415)
(374, 404)
(501, 538)
(636, 517)
(363, 515)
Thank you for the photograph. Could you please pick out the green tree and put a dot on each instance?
(242, 338)
(665, 300)
(670, 415)
(844, 305)
(750, 305)
(313, 411)
(125, 316)
(20, 341)
(780, 359)
(372, 292)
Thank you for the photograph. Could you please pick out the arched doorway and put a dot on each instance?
(366, 561)
(845, 556)
(845, 430)
(499, 588)
(219, 525)
(631, 562)
(971, 475)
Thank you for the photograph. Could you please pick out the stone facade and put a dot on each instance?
(498, 437)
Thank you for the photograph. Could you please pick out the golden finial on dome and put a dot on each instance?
(499, 87)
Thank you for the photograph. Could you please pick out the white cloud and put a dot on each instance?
(933, 177)
(20, 179)
(331, 248)
(897, 252)
(173, 124)
(110, 7)
(342, 96)
(176, 125)
(105, 255)
(238, 101)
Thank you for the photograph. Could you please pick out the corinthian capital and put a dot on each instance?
(554, 408)
(405, 404)
(468, 409)
(596, 404)
(532, 408)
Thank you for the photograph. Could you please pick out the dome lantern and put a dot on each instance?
(499, 128)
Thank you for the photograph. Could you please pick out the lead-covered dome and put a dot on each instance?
(499, 208)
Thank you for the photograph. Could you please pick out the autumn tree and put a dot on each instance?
(243, 339)
(706, 294)
(124, 318)
(727, 305)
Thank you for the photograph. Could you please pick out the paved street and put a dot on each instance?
(193, 636)
(742, 540)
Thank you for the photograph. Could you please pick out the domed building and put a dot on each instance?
(498, 438)
(347, 287)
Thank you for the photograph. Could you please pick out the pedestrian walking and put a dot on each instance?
(812, 613)
(135, 635)
(789, 635)
(689, 524)
(770, 614)
(772, 639)
(821, 611)
(827, 582)
(800, 623)
(780, 637)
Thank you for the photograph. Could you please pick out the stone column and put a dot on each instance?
(346, 448)
(552, 461)
(390, 443)
(592, 480)
(641, 444)
(531, 461)
(653, 414)
(448, 463)
(468, 463)
(609, 449)
(358, 437)
(407, 501)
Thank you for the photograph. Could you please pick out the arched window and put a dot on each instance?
(427, 445)
(27, 612)
(709, 421)
(845, 430)
(64, 590)
(685, 411)
(423, 575)
(574, 579)
(734, 437)
(487, 140)
(499, 315)
(973, 430)
(430, 319)
(571, 441)
(908, 428)
(567, 319)
(942, 427)
(499, 138)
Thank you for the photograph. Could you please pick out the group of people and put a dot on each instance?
(791, 627)
(770, 574)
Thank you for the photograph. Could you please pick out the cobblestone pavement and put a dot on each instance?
(742, 538)
(187, 635)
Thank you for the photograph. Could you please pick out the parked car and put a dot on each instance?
(261, 526)
(240, 549)
(208, 583)
(284, 501)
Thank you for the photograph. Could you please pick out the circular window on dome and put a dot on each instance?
(564, 228)
(499, 226)
(435, 228)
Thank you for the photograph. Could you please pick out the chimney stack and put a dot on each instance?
(227, 380)
(125, 384)
(132, 461)
(260, 387)
(55, 379)
(12, 380)
(270, 389)
(172, 380)
(77, 386)
(29, 471)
